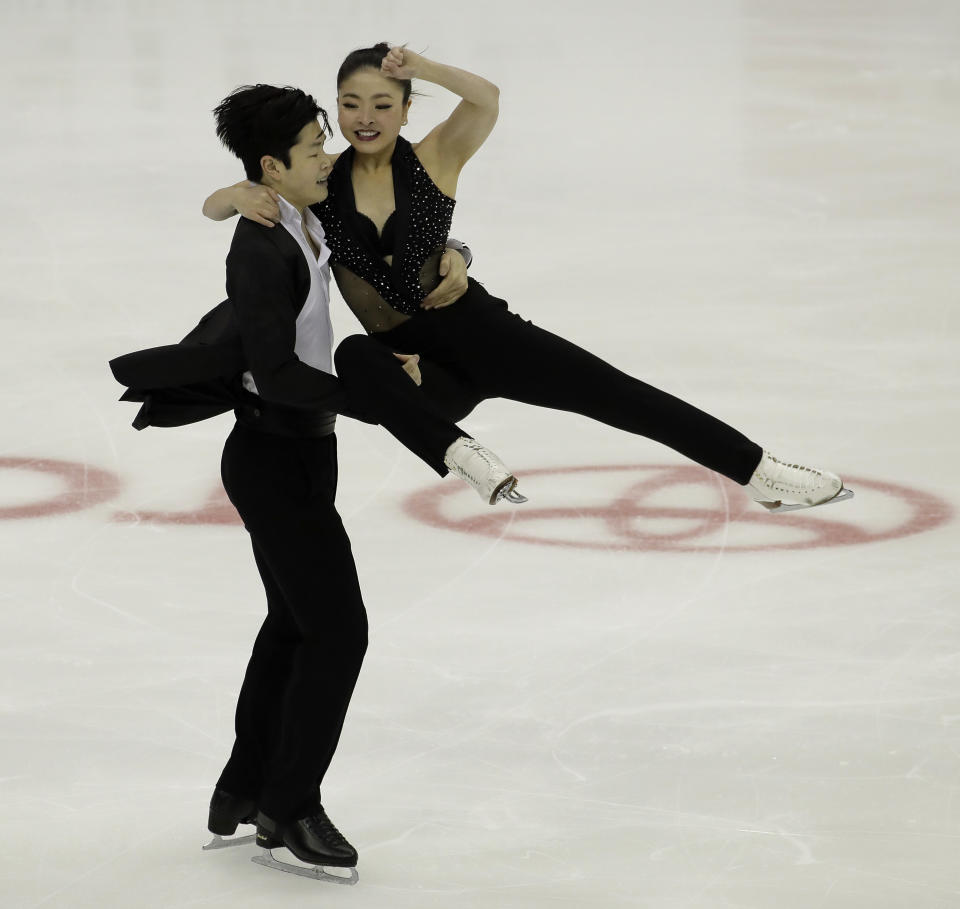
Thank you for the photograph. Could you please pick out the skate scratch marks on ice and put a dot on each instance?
(437, 591)
(75, 587)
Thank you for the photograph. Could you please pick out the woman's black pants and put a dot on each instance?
(308, 653)
(476, 349)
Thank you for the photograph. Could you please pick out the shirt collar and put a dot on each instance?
(288, 214)
(291, 220)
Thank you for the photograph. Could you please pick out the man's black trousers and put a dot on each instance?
(309, 650)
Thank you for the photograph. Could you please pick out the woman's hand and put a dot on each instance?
(401, 63)
(258, 203)
(410, 367)
(453, 270)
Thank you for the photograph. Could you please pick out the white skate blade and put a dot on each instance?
(774, 507)
(218, 842)
(316, 872)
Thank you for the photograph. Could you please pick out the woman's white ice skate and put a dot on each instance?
(780, 486)
(483, 470)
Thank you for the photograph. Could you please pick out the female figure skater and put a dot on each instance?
(387, 218)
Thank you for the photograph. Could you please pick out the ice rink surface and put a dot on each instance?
(636, 691)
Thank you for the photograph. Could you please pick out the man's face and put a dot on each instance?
(305, 180)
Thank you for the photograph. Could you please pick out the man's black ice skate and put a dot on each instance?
(313, 840)
(226, 812)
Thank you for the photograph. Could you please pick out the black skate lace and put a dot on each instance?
(325, 829)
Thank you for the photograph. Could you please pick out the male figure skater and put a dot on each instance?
(279, 469)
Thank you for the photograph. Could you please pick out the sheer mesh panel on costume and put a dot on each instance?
(373, 311)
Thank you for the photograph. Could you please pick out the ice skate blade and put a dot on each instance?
(776, 507)
(316, 873)
(218, 842)
(507, 492)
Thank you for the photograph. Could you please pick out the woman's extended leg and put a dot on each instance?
(499, 354)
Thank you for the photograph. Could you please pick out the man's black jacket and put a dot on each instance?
(254, 329)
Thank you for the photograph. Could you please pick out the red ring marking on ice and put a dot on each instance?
(216, 510)
(624, 514)
(86, 486)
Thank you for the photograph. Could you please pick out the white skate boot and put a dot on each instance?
(483, 470)
(779, 486)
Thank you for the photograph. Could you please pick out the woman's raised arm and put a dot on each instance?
(453, 142)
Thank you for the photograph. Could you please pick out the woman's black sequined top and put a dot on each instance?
(415, 235)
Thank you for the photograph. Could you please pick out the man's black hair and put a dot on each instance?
(258, 120)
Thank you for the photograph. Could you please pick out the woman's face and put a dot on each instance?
(370, 110)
